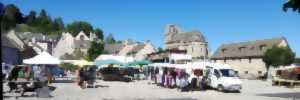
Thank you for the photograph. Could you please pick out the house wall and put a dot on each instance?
(126, 49)
(142, 54)
(195, 49)
(243, 66)
(64, 45)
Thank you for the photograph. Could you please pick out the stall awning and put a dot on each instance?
(42, 58)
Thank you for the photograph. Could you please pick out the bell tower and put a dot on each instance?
(170, 31)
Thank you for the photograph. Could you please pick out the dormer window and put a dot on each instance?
(224, 50)
(242, 49)
(262, 47)
(81, 37)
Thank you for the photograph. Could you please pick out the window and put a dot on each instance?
(81, 37)
(217, 73)
(241, 49)
(246, 72)
(262, 47)
(259, 72)
(224, 50)
(250, 60)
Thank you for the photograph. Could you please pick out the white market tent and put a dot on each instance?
(180, 57)
(122, 59)
(42, 58)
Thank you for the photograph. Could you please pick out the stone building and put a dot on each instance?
(246, 57)
(137, 50)
(193, 42)
(38, 41)
(67, 43)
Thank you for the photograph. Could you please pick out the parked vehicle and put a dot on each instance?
(222, 77)
(113, 74)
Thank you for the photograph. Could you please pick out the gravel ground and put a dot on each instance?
(144, 90)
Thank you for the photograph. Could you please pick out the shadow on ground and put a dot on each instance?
(101, 86)
(63, 81)
(295, 95)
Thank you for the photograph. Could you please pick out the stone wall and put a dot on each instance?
(247, 69)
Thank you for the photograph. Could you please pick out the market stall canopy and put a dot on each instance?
(180, 57)
(107, 62)
(42, 58)
(82, 63)
(122, 59)
(140, 62)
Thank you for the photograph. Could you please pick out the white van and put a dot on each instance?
(222, 77)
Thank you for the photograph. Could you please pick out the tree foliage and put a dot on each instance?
(68, 66)
(278, 56)
(99, 33)
(77, 26)
(11, 17)
(95, 50)
(297, 60)
(31, 18)
(58, 24)
(76, 55)
(293, 4)
(110, 39)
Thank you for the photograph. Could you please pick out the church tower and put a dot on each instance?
(171, 30)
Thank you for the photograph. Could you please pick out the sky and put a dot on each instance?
(220, 21)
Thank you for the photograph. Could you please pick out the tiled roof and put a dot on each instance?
(246, 49)
(113, 48)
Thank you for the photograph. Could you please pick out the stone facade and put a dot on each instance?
(246, 57)
(67, 43)
(193, 42)
(137, 50)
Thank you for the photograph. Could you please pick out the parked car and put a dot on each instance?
(222, 77)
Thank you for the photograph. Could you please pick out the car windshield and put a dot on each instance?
(228, 73)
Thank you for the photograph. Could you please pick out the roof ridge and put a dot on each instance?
(249, 41)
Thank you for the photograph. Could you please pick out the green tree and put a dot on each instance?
(44, 23)
(110, 39)
(68, 66)
(58, 24)
(95, 50)
(160, 49)
(31, 18)
(294, 4)
(99, 33)
(11, 17)
(297, 60)
(76, 55)
(77, 26)
(278, 56)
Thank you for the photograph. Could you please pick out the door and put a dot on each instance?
(215, 78)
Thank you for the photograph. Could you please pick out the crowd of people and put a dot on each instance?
(86, 76)
(178, 78)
